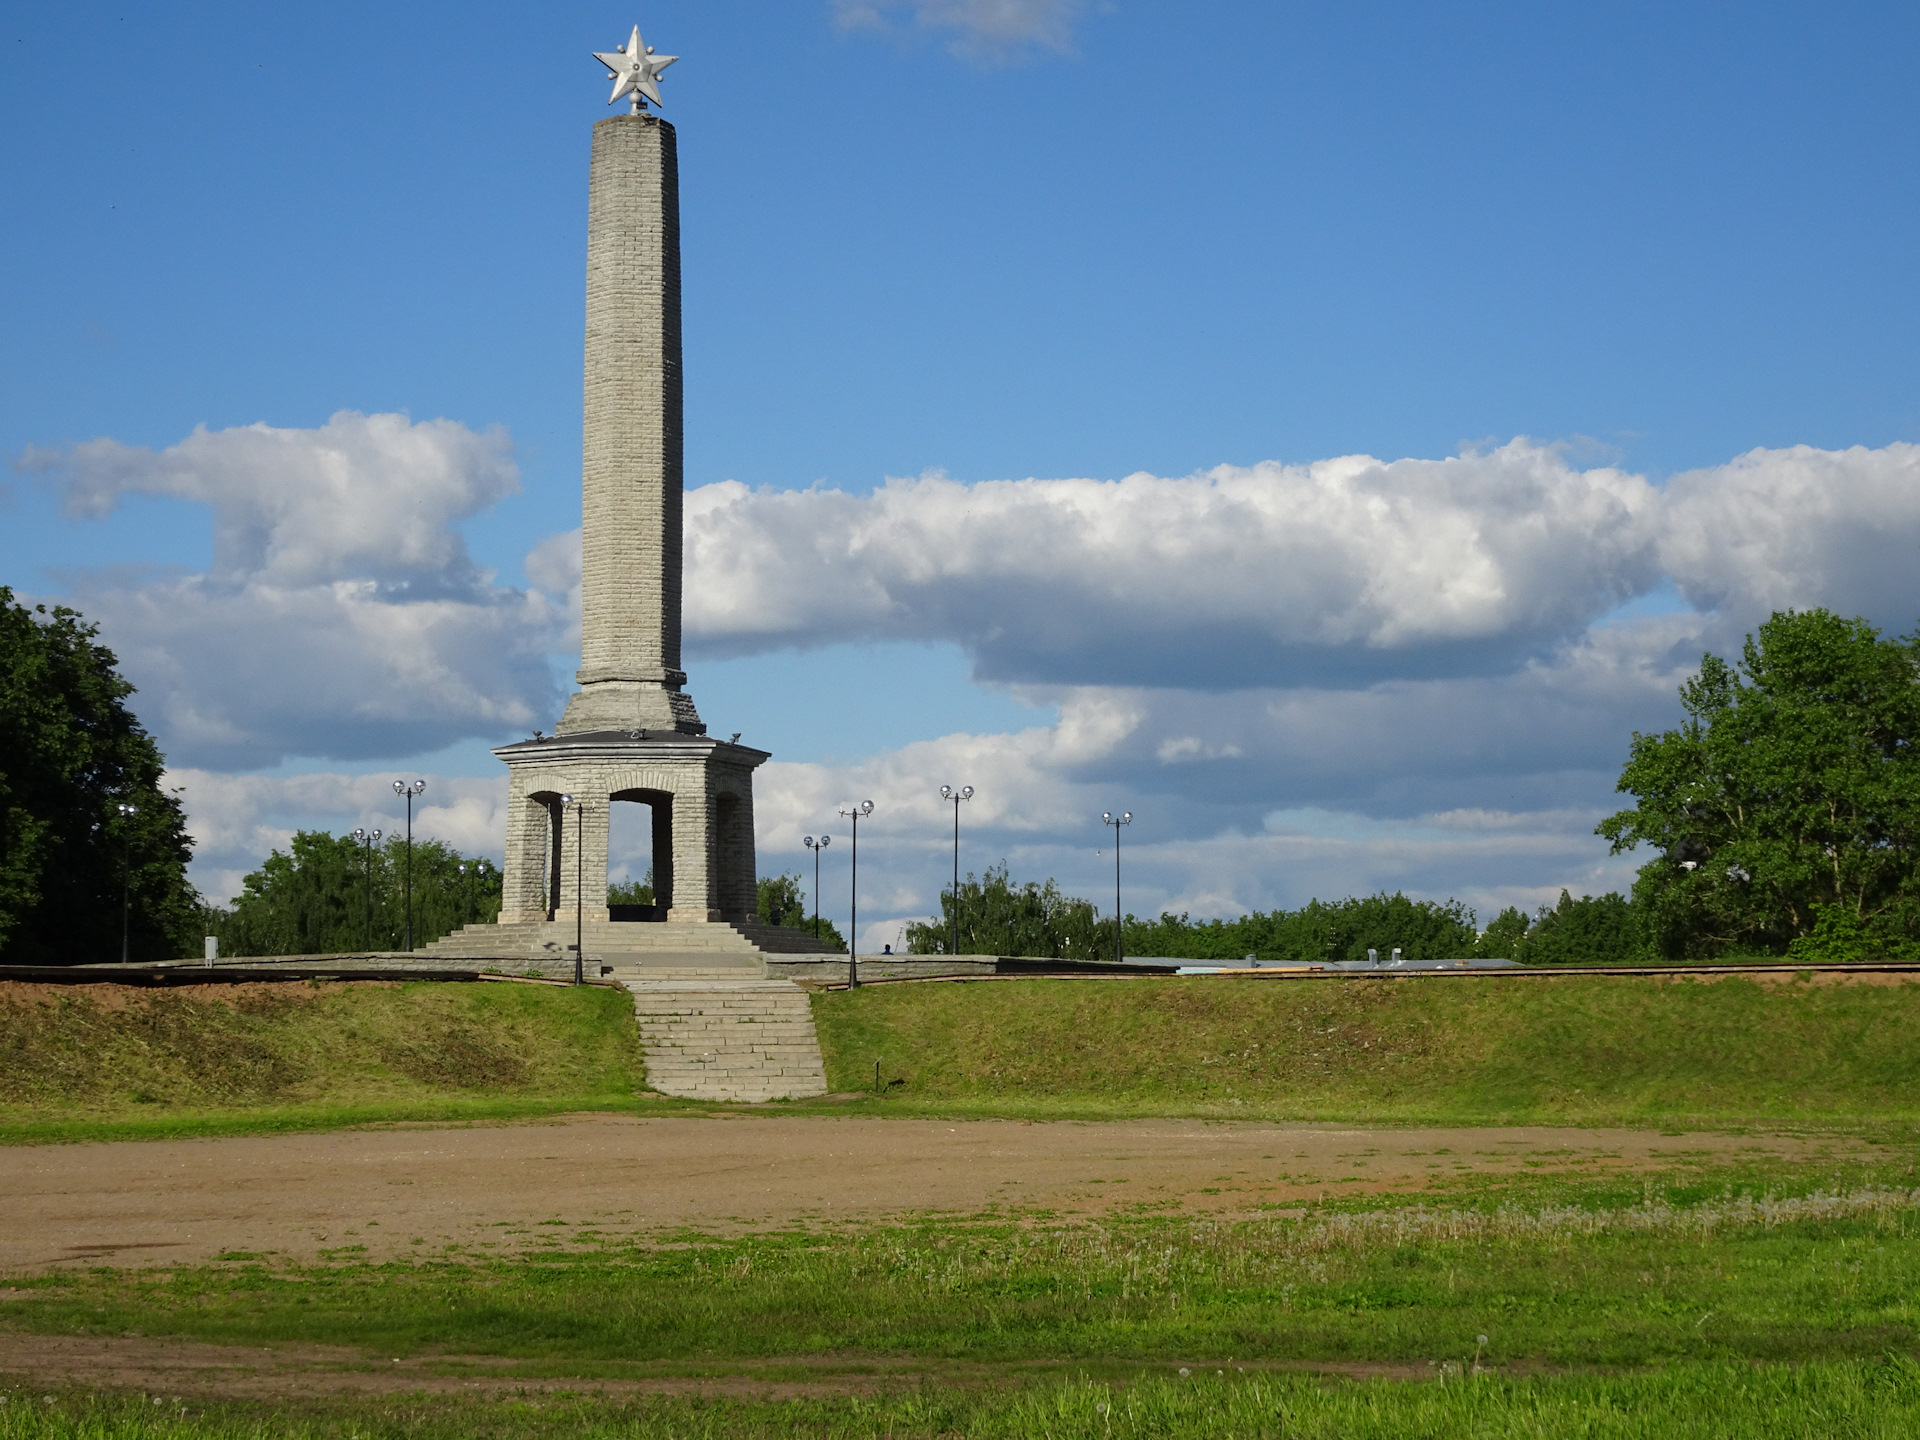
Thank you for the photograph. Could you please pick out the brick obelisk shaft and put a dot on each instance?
(631, 472)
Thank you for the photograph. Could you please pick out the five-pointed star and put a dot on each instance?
(635, 68)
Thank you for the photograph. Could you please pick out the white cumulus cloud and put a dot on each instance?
(343, 615)
(1353, 569)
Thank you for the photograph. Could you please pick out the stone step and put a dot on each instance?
(744, 1039)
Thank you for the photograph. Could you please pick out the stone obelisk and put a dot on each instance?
(630, 675)
(630, 732)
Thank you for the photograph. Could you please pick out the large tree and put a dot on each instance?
(1791, 793)
(1000, 917)
(329, 894)
(71, 756)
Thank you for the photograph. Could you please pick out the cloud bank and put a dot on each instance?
(343, 615)
(1297, 670)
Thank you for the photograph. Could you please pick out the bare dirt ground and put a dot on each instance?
(387, 1192)
(401, 1190)
(175, 1368)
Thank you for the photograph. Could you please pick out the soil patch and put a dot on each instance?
(414, 1190)
(185, 1369)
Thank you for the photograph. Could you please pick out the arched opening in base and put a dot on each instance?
(639, 855)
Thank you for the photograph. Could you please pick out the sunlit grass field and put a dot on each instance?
(1713, 1298)
(1845, 1400)
(1560, 1311)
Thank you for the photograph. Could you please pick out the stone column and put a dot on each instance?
(588, 830)
(695, 895)
(630, 675)
(525, 892)
(733, 842)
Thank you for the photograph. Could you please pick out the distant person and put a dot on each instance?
(886, 949)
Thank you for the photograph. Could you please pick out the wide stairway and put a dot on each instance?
(712, 1035)
(712, 1024)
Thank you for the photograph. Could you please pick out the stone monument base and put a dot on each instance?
(700, 792)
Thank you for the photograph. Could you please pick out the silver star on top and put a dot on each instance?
(636, 70)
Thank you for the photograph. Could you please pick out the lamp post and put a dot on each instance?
(127, 812)
(947, 792)
(1125, 817)
(366, 839)
(579, 808)
(816, 846)
(855, 813)
(416, 788)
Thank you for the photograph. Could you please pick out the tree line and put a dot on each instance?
(999, 916)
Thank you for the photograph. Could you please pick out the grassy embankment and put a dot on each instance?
(1583, 1049)
(98, 1061)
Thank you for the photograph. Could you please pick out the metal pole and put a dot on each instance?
(853, 911)
(1117, 922)
(956, 876)
(126, 894)
(816, 893)
(579, 895)
(367, 847)
(127, 812)
(409, 871)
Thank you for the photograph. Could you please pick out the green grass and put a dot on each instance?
(97, 1062)
(1722, 1315)
(1581, 1049)
(1857, 1400)
(1815, 1276)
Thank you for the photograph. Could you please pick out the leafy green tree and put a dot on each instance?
(1792, 788)
(632, 892)
(1586, 931)
(71, 754)
(1504, 936)
(325, 893)
(782, 900)
(998, 917)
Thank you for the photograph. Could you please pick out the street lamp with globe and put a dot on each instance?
(816, 846)
(367, 839)
(947, 792)
(1125, 817)
(127, 812)
(400, 787)
(855, 813)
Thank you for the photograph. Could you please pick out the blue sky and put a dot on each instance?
(995, 240)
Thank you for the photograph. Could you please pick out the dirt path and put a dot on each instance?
(394, 1191)
(173, 1369)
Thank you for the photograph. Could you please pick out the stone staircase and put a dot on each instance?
(713, 1025)
(720, 1033)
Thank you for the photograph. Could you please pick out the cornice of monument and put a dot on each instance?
(629, 744)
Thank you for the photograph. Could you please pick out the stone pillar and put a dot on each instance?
(630, 675)
(588, 830)
(662, 811)
(695, 896)
(526, 892)
(733, 844)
